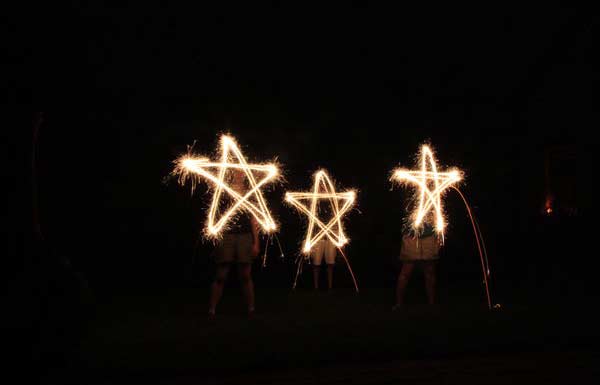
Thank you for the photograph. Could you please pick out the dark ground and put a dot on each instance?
(124, 330)
(308, 337)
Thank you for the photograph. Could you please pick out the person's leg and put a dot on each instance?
(245, 274)
(216, 289)
(317, 259)
(330, 260)
(244, 258)
(316, 272)
(403, 278)
(225, 251)
(330, 275)
(430, 281)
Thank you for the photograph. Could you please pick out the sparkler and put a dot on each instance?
(333, 230)
(190, 167)
(431, 184)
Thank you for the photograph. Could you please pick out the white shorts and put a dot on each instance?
(323, 248)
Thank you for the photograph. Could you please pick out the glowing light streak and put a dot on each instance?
(323, 188)
(194, 168)
(431, 185)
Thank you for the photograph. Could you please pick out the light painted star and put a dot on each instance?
(307, 203)
(431, 185)
(251, 201)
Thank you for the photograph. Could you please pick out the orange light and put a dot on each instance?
(548, 204)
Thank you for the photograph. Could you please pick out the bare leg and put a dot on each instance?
(430, 282)
(245, 274)
(316, 271)
(329, 276)
(216, 289)
(403, 278)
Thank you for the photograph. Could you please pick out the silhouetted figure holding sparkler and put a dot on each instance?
(239, 245)
(418, 248)
(324, 249)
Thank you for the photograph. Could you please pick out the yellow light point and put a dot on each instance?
(323, 189)
(252, 201)
(431, 185)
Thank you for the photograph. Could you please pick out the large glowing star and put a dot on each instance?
(431, 184)
(250, 201)
(340, 203)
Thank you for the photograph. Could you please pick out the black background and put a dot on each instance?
(355, 90)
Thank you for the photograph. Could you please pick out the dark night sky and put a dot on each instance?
(354, 90)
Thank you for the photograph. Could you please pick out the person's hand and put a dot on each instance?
(255, 248)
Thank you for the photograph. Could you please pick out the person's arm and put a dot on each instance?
(255, 240)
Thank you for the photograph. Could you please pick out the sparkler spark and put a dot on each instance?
(431, 184)
(340, 203)
(252, 201)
